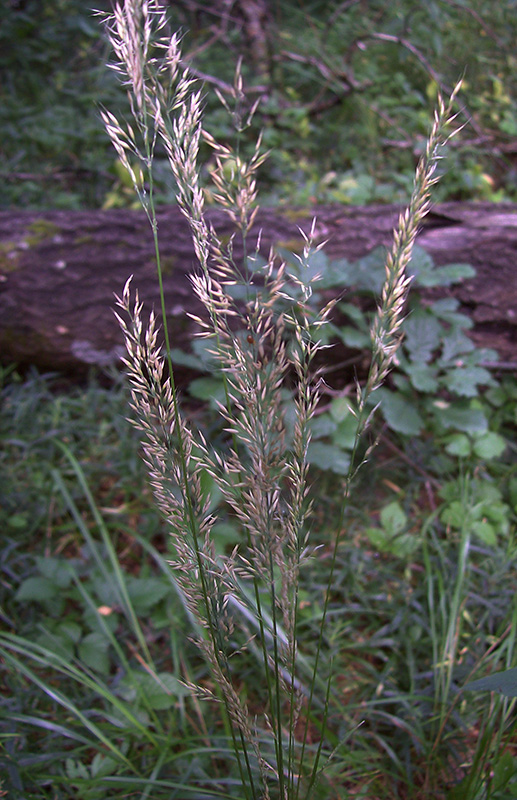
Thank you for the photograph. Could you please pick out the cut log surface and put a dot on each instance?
(59, 271)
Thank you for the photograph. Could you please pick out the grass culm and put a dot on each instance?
(265, 338)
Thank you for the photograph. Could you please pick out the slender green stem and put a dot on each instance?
(276, 709)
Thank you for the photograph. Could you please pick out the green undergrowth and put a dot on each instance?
(95, 642)
(346, 93)
(442, 394)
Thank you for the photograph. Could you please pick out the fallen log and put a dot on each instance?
(59, 271)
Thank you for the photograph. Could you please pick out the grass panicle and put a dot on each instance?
(390, 313)
(262, 334)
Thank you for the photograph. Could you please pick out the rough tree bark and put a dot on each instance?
(59, 271)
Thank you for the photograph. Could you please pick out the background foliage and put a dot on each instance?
(346, 91)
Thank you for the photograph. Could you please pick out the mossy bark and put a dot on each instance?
(57, 287)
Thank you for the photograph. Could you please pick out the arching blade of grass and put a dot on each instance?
(47, 659)
(119, 720)
(120, 582)
(53, 727)
(147, 787)
(180, 790)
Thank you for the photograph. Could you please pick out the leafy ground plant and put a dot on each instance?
(400, 649)
(436, 387)
(346, 97)
(264, 336)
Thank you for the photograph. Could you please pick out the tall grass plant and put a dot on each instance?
(265, 339)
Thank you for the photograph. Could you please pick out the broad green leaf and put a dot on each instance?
(59, 645)
(225, 534)
(468, 420)
(484, 531)
(400, 414)
(160, 691)
(345, 434)
(18, 521)
(69, 630)
(497, 514)
(146, 592)
(187, 360)
(354, 313)
(390, 538)
(333, 274)
(200, 359)
(320, 270)
(427, 274)
(379, 538)
(242, 292)
(105, 589)
(76, 769)
(458, 445)
(207, 389)
(421, 265)
(503, 682)
(340, 409)
(402, 383)
(393, 518)
(56, 570)
(446, 276)
(423, 376)
(354, 338)
(445, 306)
(256, 262)
(465, 381)
(209, 489)
(356, 189)
(93, 651)
(366, 274)
(454, 514)
(322, 426)
(497, 395)
(103, 765)
(328, 457)
(423, 335)
(404, 545)
(454, 343)
(37, 589)
(400, 545)
(489, 445)
(447, 309)
(110, 618)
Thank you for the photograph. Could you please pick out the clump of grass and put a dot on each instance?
(262, 333)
